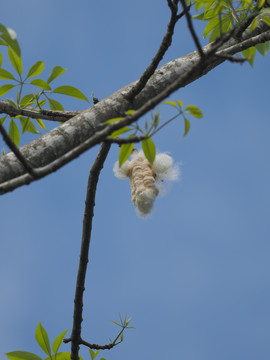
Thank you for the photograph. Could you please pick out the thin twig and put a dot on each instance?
(85, 244)
(34, 113)
(191, 29)
(17, 152)
(165, 44)
(92, 346)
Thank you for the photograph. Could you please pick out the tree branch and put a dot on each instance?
(85, 130)
(85, 244)
(35, 113)
(92, 346)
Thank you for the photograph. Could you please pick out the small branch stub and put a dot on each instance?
(144, 178)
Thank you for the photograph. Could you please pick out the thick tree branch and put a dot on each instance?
(35, 113)
(85, 244)
(85, 130)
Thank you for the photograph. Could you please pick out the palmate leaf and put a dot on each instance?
(9, 36)
(43, 339)
(70, 91)
(6, 75)
(5, 88)
(41, 83)
(55, 105)
(263, 48)
(27, 100)
(22, 355)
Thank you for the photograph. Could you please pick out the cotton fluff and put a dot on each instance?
(143, 177)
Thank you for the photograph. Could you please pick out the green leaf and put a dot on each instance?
(14, 133)
(263, 48)
(41, 83)
(12, 103)
(93, 353)
(266, 19)
(9, 36)
(41, 103)
(249, 54)
(55, 105)
(210, 26)
(156, 119)
(194, 111)
(24, 122)
(22, 355)
(4, 74)
(70, 91)
(260, 4)
(187, 126)
(113, 120)
(15, 60)
(149, 150)
(36, 69)
(115, 322)
(5, 88)
(61, 356)
(41, 124)
(27, 100)
(130, 112)
(118, 132)
(58, 341)
(27, 125)
(172, 103)
(43, 339)
(125, 151)
(180, 103)
(56, 71)
(2, 119)
(1, 59)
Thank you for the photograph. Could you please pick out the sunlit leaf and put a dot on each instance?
(113, 120)
(2, 119)
(36, 69)
(27, 100)
(5, 88)
(263, 48)
(61, 356)
(124, 153)
(55, 105)
(58, 341)
(70, 91)
(12, 103)
(266, 19)
(41, 124)
(15, 60)
(118, 132)
(180, 103)
(93, 353)
(56, 71)
(14, 133)
(10, 38)
(187, 126)
(172, 103)
(43, 339)
(41, 83)
(130, 112)
(4, 74)
(30, 127)
(22, 355)
(1, 59)
(194, 111)
(249, 54)
(149, 150)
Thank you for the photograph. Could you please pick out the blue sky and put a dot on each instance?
(195, 275)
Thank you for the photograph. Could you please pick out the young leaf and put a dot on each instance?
(4, 74)
(30, 127)
(180, 103)
(43, 339)
(194, 111)
(15, 60)
(70, 91)
(61, 356)
(1, 59)
(41, 124)
(12, 103)
(36, 69)
(55, 105)
(41, 83)
(118, 132)
(149, 150)
(2, 119)
(187, 126)
(93, 353)
(9, 37)
(22, 355)
(14, 133)
(5, 88)
(110, 121)
(24, 122)
(172, 103)
(130, 112)
(58, 341)
(263, 48)
(27, 100)
(56, 71)
(125, 151)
